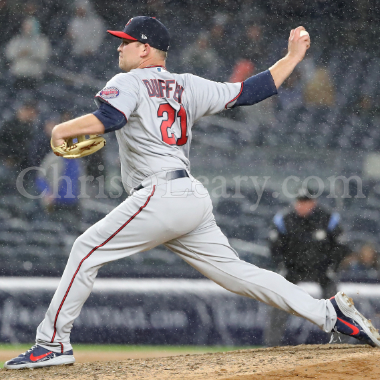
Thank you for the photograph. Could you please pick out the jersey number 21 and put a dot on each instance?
(168, 123)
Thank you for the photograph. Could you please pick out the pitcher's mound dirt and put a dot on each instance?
(335, 362)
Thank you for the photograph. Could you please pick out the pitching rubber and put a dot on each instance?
(59, 360)
(346, 305)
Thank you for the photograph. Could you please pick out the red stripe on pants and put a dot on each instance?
(91, 252)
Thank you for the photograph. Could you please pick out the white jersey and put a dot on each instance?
(161, 108)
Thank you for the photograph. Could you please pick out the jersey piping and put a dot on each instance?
(235, 98)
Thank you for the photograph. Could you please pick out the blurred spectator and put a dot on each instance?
(242, 70)
(306, 241)
(252, 11)
(259, 115)
(86, 30)
(319, 90)
(59, 178)
(9, 23)
(366, 106)
(201, 59)
(223, 37)
(363, 261)
(16, 135)
(252, 45)
(28, 53)
(218, 36)
(156, 8)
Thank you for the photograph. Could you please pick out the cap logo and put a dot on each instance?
(129, 21)
(144, 37)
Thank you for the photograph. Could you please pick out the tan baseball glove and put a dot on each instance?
(79, 146)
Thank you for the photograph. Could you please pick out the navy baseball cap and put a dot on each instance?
(147, 30)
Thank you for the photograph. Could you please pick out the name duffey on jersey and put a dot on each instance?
(161, 108)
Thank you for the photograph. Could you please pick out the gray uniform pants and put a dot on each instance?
(275, 329)
(165, 213)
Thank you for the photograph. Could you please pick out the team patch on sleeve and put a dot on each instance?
(109, 93)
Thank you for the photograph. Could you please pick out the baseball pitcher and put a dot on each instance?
(152, 112)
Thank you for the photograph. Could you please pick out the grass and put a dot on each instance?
(128, 348)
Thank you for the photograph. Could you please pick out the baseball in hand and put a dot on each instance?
(303, 33)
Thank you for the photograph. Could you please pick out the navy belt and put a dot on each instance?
(175, 174)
